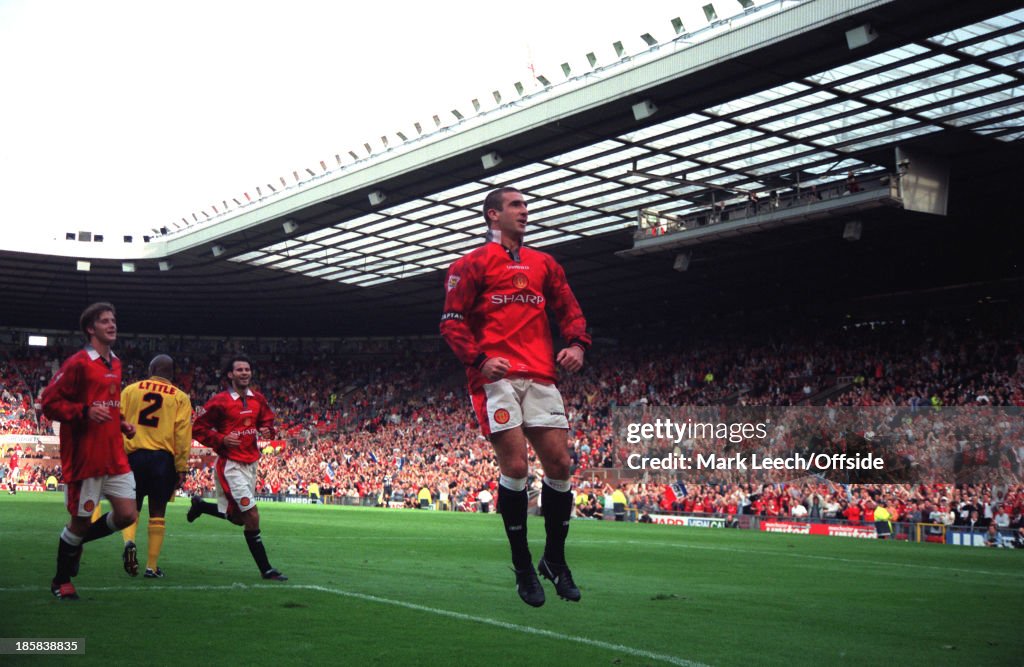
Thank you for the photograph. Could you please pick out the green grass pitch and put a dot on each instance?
(402, 587)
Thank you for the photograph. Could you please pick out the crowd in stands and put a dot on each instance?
(351, 416)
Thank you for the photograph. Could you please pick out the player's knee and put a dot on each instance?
(124, 520)
(516, 469)
(558, 468)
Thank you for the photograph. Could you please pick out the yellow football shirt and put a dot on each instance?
(162, 414)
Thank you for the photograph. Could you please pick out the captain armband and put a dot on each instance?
(451, 315)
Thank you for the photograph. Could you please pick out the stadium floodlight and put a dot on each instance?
(218, 250)
(592, 59)
(402, 136)
(37, 341)
(165, 266)
(458, 115)
(496, 94)
(649, 38)
(860, 36)
(353, 155)
(419, 128)
(490, 160)
(519, 88)
(289, 226)
(677, 25)
(566, 70)
(620, 50)
(543, 80)
(128, 267)
(377, 197)
(476, 105)
(709, 12)
(83, 265)
(644, 110)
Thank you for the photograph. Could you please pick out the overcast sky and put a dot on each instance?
(120, 116)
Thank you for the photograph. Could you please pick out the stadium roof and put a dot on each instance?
(777, 97)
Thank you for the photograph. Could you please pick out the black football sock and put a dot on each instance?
(211, 509)
(258, 551)
(512, 505)
(557, 507)
(99, 528)
(66, 554)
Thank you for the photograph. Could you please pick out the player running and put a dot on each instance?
(85, 397)
(229, 424)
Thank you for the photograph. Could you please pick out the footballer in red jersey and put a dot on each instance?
(230, 424)
(495, 320)
(85, 397)
(15, 471)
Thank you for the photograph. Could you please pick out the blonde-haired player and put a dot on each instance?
(158, 454)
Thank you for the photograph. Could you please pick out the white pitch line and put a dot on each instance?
(504, 625)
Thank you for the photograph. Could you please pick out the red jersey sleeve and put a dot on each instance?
(571, 323)
(60, 399)
(204, 429)
(462, 287)
(266, 418)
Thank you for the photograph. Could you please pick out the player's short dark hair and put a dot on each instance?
(495, 199)
(162, 365)
(230, 366)
(92, 313)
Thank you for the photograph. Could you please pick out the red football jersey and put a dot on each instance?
(87, 449)
(496, 306)
(227, 413)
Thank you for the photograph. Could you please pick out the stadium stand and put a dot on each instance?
(351, 416)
